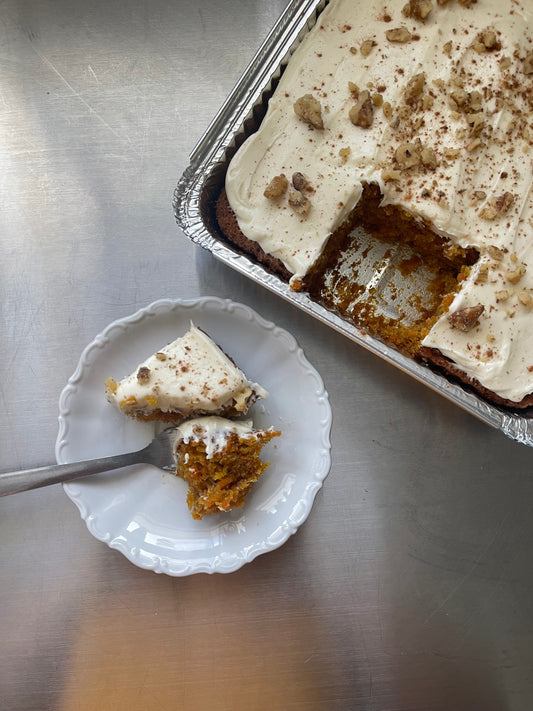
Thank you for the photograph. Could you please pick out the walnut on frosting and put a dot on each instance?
(299, 202)
(367, 46)
(277, 187)
(495, 252)
(143, 375)
(503, 295)
(299, 181)
(514, 275)
(418, 9)
(362, 113)
(399, 35)
(487, 41)
(411, 155)
(309, 110)
(414, 88)
(497, 206)
(407, 156)
(526, 299)
(465, 319)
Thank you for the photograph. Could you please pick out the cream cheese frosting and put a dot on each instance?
(444, 129)
(213, 431)
(191, 375)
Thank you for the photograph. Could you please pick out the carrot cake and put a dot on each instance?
(220, 461)
(189, 377)
(413, 119)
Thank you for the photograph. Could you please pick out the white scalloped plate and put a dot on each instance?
(141, 511)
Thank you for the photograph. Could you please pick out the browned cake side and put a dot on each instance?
(435, 358)
(228, 224)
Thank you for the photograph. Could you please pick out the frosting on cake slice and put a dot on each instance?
(189, 377)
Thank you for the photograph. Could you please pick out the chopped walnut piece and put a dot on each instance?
(299, 202)
(143, 375)
(495, 252)
(367, 46)
(161, 356)
(362, 114)
(504, 202)
(475, 99)
(505, 63)
(389, 174)
(476, 122)
(465, 319)
(459, 96)
(447, 48)
(514, 275)
(309, 110)
(526, 299)
(473, 145)
(483, 274)
(489, 212)
(277, 187)
(452, 153)
(470, 103)
(497, 206)
(490, 40)
(387, 110)
(419, 9)
(299, 181)
(429, 159)
(528, 64)
(407, 155)
(414, 88)
(398, 34)
(344, 153)
(353, 88)
(503, 295)
(478, 196)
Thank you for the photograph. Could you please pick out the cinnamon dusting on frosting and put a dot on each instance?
(443, 126)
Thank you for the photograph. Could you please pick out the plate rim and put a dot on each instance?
(228, 562)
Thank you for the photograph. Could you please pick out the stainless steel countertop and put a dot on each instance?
(410, 586)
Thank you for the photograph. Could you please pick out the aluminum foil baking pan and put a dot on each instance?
(200, 185)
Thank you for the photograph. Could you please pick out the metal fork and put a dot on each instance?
(160, 453)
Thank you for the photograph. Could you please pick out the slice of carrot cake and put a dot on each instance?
(220, 461)
(191, 376)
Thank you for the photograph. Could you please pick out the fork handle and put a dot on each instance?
(13, 482)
